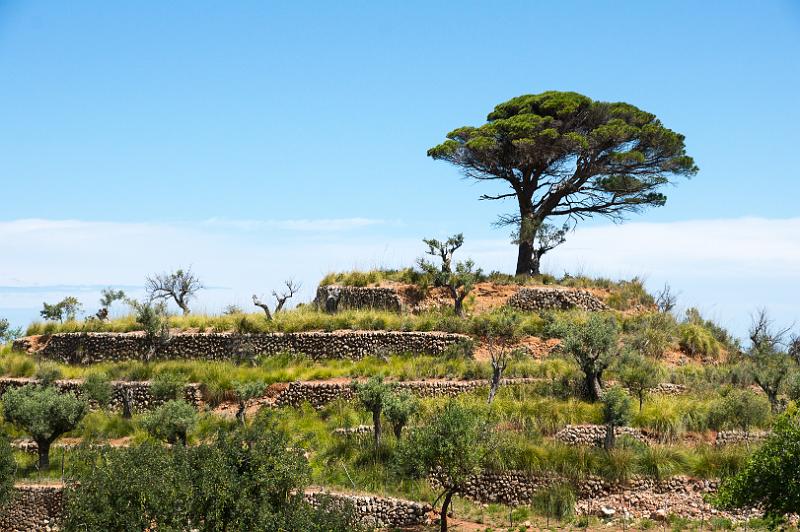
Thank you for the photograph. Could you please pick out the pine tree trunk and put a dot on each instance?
(525, 259)
(608, 444)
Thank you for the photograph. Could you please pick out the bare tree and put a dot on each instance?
(281, 298)
(265, 307)
(666, 300)
(500, 356)
(794, 347)
(180, 286)
(290, 291)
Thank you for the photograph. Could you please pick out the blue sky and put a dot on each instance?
(304, 126)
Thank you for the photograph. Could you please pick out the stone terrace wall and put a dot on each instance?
(594, 435)
(138, 391)
(361, 297)
(40, 508)
(32, 509)
(88, 348)
(731, 437)
(378, 512)
(640, 497)
(319, 394)
(538, 299)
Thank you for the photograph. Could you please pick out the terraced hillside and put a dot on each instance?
(354, 385)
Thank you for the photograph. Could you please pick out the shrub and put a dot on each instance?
(639, 375)
(171, 421)
(630, 295)
(7, 469)
(652, 334)
(399, 409)
(556, 502)
(47, 373)
(167, 386)
(97, 387)
(659, 462)
(793, 387)
(740, 409)
(697, 340)
(769, 478)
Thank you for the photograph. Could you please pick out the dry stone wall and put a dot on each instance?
(32, 509)
(539, 299)
(319, 394)
(732, 437)
(138, 392)
(88, 348)
(594, 435)
(374, 511)
(641, 497)
(359, 298)
(40, 508)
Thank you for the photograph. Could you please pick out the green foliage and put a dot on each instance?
(47, 373)
(555, 502)
(44, 413)
(630, 295)
(696, 340)
(738, 409)
(128, 489)
(97, 387)
(250, 478)
(638, 374)
(793, 387)
(171, 421)
(538, 137)
(399, 409)
(660, 462)
(7, 468)
(452, 443)
(651, 334)
(616, 407)
(592, 343)
(109, 296)
(373, 396)
(167, 386)
(769, 478)
(375, 277)
(65, 310)
(151, 317)
(8, 333)
(459, 280)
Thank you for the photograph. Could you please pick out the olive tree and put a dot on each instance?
(593, 344)
(458, 280)
(639, 374)
(44, 413)
(616, 412)
(290, 289)
(399, 409)
(65, 310)
(561, 154)
(452, 446)
(373, 396)
(180, 286)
